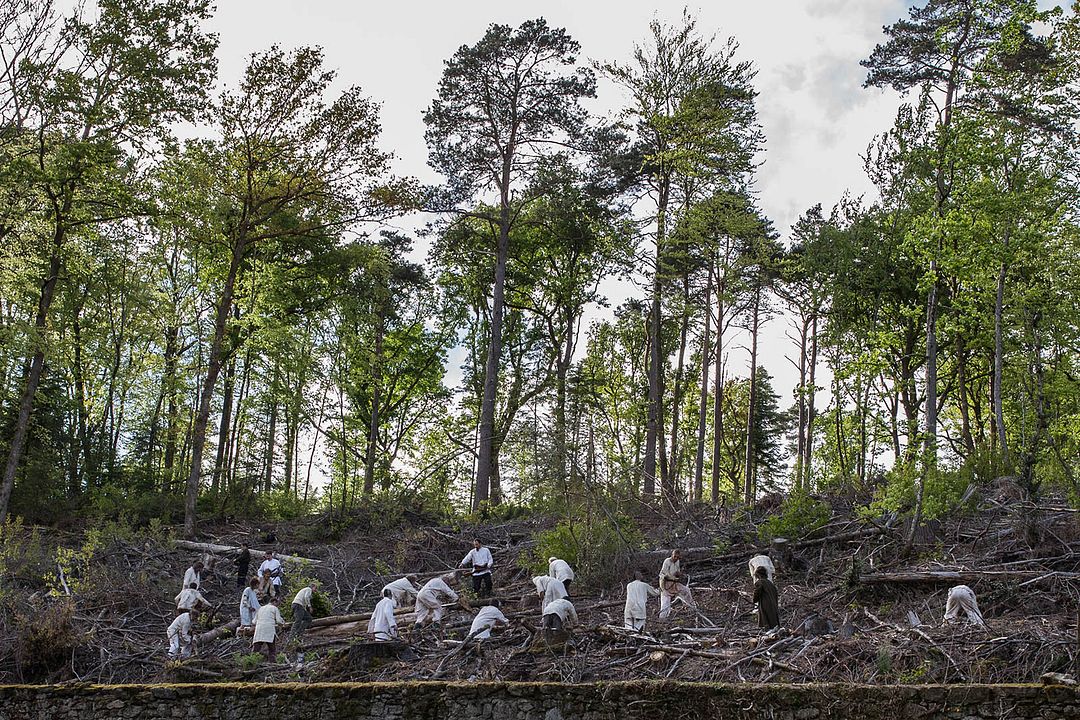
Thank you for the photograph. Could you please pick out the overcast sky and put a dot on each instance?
(817, 118)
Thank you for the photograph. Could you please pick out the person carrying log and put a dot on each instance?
(430, 599)
(193, 575)
(249, 603)
(267, 621)
(559, 615)
(673, 585)
(767, 599)
(382, 623)
(548, 589)
(962, 598)
(190, 599)
(487, 619)
(561, 571)
(638, 593)
(762, 561)
(301, 610)
(403, 590)
(243, 565)
(180, 636)
(481, 562)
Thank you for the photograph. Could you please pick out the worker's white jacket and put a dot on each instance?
(188, 599)
(303, 598)
(249, 605)
(435, 593)
(476, 558)
(402, 590)
(266, 624)
(273, 564)
(180, 629)
(637, 598)
(564, 609)
(560, 569)
(485, 620)
(382, 624)
(191, 576)
(762, 561)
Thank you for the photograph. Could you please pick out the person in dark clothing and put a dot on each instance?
(767, 598)
(243, 566)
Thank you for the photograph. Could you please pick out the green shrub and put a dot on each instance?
(249, 661)
(600, 552)
(798, 515)
(942, 490)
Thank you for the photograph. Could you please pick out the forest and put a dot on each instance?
(207, 312)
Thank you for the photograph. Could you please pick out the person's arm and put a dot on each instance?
(467, 560)
(653, 592)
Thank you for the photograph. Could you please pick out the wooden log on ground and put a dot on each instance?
(232, 550)
(210, 636)
(962, 576)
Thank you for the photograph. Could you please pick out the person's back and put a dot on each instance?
(767, 598)
(487, 618)
(564, 610)
(383, 624)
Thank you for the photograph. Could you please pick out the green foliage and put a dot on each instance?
(799, 514)
(249, 661)
(599, 552)
(943, 489)
(73, 566)
(23, 560)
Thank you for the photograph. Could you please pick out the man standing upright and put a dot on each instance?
(243, 566)
(479, 558)
(673, 584)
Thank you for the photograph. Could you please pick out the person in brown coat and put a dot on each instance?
(767, 599)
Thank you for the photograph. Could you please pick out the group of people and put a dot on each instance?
(260, 602)
(262, 596)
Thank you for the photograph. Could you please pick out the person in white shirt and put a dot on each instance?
(962, 598)
(488, 618)
(672, 585)
(193, 575)
(180, 636)
(267, 621)
(561, 571)
(271, 565)
(560, 615)
(548, 589)
(249, 603)
(430, 599)
(403, 590)
(638, 593)
(301, 610)
(762, 561)
(480, 560)
(383, 624)
(190, 599)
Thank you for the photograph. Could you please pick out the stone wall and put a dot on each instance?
(534, 701)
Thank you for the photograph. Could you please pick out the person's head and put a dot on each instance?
(477, 544)
(450, 579)
(637, 575)
(412, 579)
(675, 554)
(761, 573)
(552, 559)
(276, 600)
(198, 565)
(243, 546)
(268, 555)
(193, 586)
(314, 585)
(193, 613)
(253, 583)
(387, 593)
(495, 603)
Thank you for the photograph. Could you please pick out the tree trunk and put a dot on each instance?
(37, 365)
(810, 411)
(376, 400)
(751, 419)
(172, 410)
(703, 397)
(999, 358)
(225, 424)
(202, 417)
(271, 433)
(718, 391)
(485, 464)
(654, 420)
(669, 472)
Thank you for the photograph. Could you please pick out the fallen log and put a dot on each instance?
(212, 635)
(962, 576)
(232, 550)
